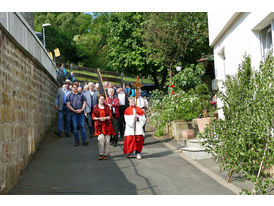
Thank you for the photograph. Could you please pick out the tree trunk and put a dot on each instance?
(163, 81)
(154, 76)
(170, 72)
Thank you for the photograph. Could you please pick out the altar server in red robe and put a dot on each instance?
(103, 127)
(134, 133)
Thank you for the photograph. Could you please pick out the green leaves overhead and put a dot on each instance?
(144, 44)
(126, 51)
(177, 36)
(148, 44)
(64, 26)
(189, 77)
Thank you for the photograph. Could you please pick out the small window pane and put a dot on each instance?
(266, 40)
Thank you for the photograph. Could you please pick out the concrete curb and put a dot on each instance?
(211, 174)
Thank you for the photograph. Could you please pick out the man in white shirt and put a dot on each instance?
(143, 104)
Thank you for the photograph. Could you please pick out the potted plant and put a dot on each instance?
(204, 96)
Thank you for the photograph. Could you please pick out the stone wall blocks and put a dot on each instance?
(24, 115)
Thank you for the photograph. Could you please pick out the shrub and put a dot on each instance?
(244, 139)
(204, 96)
(189, 77)
(172, 106)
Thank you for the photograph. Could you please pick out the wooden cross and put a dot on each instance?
(138, 86)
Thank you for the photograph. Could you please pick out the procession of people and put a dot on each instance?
(117, 113)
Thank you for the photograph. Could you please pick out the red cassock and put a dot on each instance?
(102, 127)
(134, 140)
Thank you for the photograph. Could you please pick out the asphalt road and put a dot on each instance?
(59, 168)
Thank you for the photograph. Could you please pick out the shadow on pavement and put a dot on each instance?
(59, 168)
(158, 141)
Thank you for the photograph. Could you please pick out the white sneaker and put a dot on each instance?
(138, 156)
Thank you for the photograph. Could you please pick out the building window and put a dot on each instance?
(266, 40)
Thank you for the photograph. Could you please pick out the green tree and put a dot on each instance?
(176, 37)
(64, 26)
(126, 50)
(91, 46)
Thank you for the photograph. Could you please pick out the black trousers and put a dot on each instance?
(90, 124)
(122, 124)
(115, 123)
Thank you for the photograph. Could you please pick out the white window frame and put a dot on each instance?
(264, 40)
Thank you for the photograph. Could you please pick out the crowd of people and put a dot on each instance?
(109, 116)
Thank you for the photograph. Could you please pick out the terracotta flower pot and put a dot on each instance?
(188, 134)
(202, 123)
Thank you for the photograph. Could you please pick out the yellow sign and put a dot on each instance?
(56, 52)
(50, 54)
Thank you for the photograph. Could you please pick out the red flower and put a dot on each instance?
(213, 102)
(172, 86)
(173, 92)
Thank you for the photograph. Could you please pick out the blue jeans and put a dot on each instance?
(65, 111)
(78, 121)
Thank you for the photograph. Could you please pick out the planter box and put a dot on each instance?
(188, 134)
(202, 123)
(177, 127)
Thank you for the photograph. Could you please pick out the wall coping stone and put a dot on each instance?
(17, 27)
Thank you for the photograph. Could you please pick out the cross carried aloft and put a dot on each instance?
(138, 86)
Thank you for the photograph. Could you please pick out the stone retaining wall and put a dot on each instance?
(27, 93)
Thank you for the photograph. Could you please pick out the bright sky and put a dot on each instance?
(134, 5)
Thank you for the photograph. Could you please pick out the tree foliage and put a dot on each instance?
(149, 43)
(126, 50)
(64, 26)
(176, 37)
(91, 47)
(189, 77)
(144, 44)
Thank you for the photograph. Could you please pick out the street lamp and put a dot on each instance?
(179, 66)
(44, 35)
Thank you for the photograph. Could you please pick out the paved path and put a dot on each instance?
(60, 168)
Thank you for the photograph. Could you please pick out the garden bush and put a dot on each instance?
(243, 140)
(172, 106)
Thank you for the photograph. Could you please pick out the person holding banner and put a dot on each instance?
(103, 126)
(134, 134)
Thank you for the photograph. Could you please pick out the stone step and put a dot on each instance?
(194, 143)
(196, 153)
(192, 149)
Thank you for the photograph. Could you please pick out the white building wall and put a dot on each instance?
(232, 35)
